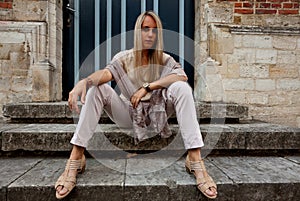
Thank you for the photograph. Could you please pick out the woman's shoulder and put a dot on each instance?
(123, 55)
(167, 58)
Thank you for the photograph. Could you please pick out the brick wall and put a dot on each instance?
(6, 4)
(281, 7)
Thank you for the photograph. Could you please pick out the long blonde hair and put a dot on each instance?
(155, 54)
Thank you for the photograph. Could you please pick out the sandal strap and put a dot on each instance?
(196, 165)
(73, 164)
(207, 181)
(204, 187)
(65, 180)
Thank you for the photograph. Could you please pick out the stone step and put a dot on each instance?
(59, 112)
(153, 179)
(248, 136)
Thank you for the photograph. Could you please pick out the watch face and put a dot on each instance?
(145, 85)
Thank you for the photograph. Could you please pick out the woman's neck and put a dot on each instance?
(145, 57)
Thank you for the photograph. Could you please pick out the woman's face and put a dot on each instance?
(149, 32)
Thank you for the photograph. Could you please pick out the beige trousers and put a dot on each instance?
(179, 99)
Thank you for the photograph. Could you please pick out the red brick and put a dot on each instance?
(288, 12)
(261, 0)
(265, 11)
(264, 5)
(276, 5)
(288, 5)
(296, 5)
(247, 5)
(238, 5)
(4, 5)
(244, 11)
(278, 1)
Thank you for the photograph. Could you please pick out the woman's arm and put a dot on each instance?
(167, 81)
(158, 84)
(97, 78)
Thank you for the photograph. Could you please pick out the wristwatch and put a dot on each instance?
(146, 86)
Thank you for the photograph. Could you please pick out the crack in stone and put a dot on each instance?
(38, 162)
(222, 171)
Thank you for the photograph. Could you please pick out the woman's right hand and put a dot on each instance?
(78, 90)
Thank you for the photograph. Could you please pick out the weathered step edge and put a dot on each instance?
(60, 112)
(56, 137)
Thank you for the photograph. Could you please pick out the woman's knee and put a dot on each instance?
(100, 92)
(180, 87)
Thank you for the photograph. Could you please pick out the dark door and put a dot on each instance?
(94, 22)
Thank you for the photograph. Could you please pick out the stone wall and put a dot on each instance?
(249, 53)
(30, 51)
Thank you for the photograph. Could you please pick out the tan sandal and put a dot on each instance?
(204, 183)
(67, 181)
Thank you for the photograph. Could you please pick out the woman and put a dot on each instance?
(146, 76)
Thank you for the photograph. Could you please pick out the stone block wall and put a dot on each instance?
(30, 51)
(249, 53)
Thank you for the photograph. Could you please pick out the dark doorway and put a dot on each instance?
(107, 16)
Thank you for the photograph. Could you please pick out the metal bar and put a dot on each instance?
(108, 30)
(155, 6)
(143, 6)
(123, 24)
(181, 32)
(97, 35)
(76, 41)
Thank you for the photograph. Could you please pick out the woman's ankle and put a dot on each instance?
(77, 152)
(194, 154)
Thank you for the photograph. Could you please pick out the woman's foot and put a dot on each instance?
(67, 181)
(61, 189)
(211, 191)
(195, 165)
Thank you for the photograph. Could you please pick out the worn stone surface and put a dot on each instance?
(60, 110)
(295, 159)
(97, 183)
(4, 127)
(35, 110)
(238, 178)
(271, 175)
(248, 136)
(46, 137)
(169, 183)
(12, 169)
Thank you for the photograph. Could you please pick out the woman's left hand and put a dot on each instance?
(137, 96)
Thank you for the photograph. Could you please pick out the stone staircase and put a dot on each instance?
(248, 159)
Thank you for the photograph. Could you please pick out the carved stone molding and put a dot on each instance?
(33, 36)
